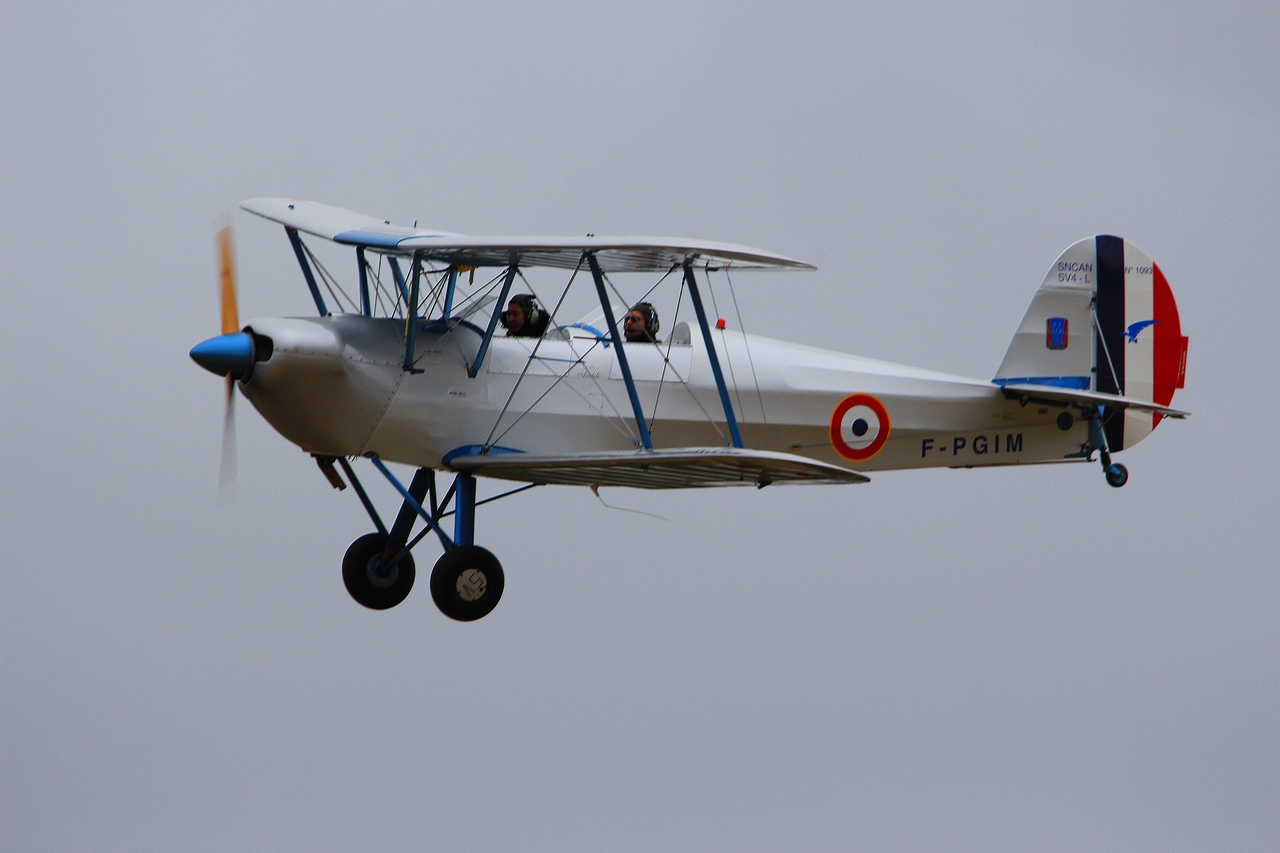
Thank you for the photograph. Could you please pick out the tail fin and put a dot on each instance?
(1103, 320)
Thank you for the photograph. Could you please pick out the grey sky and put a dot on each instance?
(941, 660)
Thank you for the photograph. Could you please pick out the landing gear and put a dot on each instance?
(369, 578)
(378, 570)
(467, 583)
(1117, 475)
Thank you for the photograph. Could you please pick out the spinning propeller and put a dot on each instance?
(230, 354)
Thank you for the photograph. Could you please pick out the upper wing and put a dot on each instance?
(330, 222)
(1054, 395)
(679, 468)
(614, 254)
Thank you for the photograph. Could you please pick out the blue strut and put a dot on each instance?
(411, 317)
(365, 307)
(497, 312)
(645, 438)
(691, 280)
(306, 270)
(464, 510)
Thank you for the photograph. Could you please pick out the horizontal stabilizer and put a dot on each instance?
(679, 468)
(614, 254)
(1066, 396)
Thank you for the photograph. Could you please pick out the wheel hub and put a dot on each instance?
(472, 584)
(379, 579)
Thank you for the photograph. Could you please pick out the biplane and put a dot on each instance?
(412, 368)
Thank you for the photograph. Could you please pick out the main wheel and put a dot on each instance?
(366, 584)
(1117, 475)
(467, 582)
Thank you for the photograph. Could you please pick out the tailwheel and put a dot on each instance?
(367, 578)
(467, 583)
(1117, 475)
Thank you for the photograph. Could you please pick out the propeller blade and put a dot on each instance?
(227, 468)
(227, 280)
(226, 249)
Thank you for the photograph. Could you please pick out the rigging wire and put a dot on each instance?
(747, 343)
(477, 298)
(435, 296)
(488, 441)
(560, 378)
(728, 357)
(1097, 326)
(684, 381)
(381, 300)
(330, 282)
(488, 288)
(666, 357)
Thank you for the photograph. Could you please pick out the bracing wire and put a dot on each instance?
(397, 305)
(666, 356)
(330, 282)
(624, 302)
(381, 299)
(487, 288)
(560, 378)
(488, 442)
(435, 296)
(747, 343)
(476, 299)
(684, 381)
(1105, 349)
(728, 357)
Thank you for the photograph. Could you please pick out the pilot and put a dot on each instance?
(524, 317)
(641, 324)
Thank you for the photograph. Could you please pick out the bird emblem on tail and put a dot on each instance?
(1136, 328)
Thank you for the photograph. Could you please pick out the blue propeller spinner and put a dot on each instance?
(226, 355)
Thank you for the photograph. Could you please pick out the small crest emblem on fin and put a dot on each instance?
(1056, 333)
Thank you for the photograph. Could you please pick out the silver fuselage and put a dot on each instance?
(337, 386)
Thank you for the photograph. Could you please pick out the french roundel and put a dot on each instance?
(859, 427)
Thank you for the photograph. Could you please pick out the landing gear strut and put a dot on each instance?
(378, 568)
(1117, 475)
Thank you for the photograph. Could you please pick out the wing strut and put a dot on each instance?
(399, 276)
(411, 316)
(512, 265)
(306, 270)
(691, 280)
(645, 438)
(449, 293)
(366, 307)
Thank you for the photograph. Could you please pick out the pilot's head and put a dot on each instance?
(641, 323)
(523, 317)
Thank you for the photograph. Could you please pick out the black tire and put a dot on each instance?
(467, 583)
(366, 587)
(1117, 475)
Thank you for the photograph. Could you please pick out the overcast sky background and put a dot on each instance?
(1019, 659)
